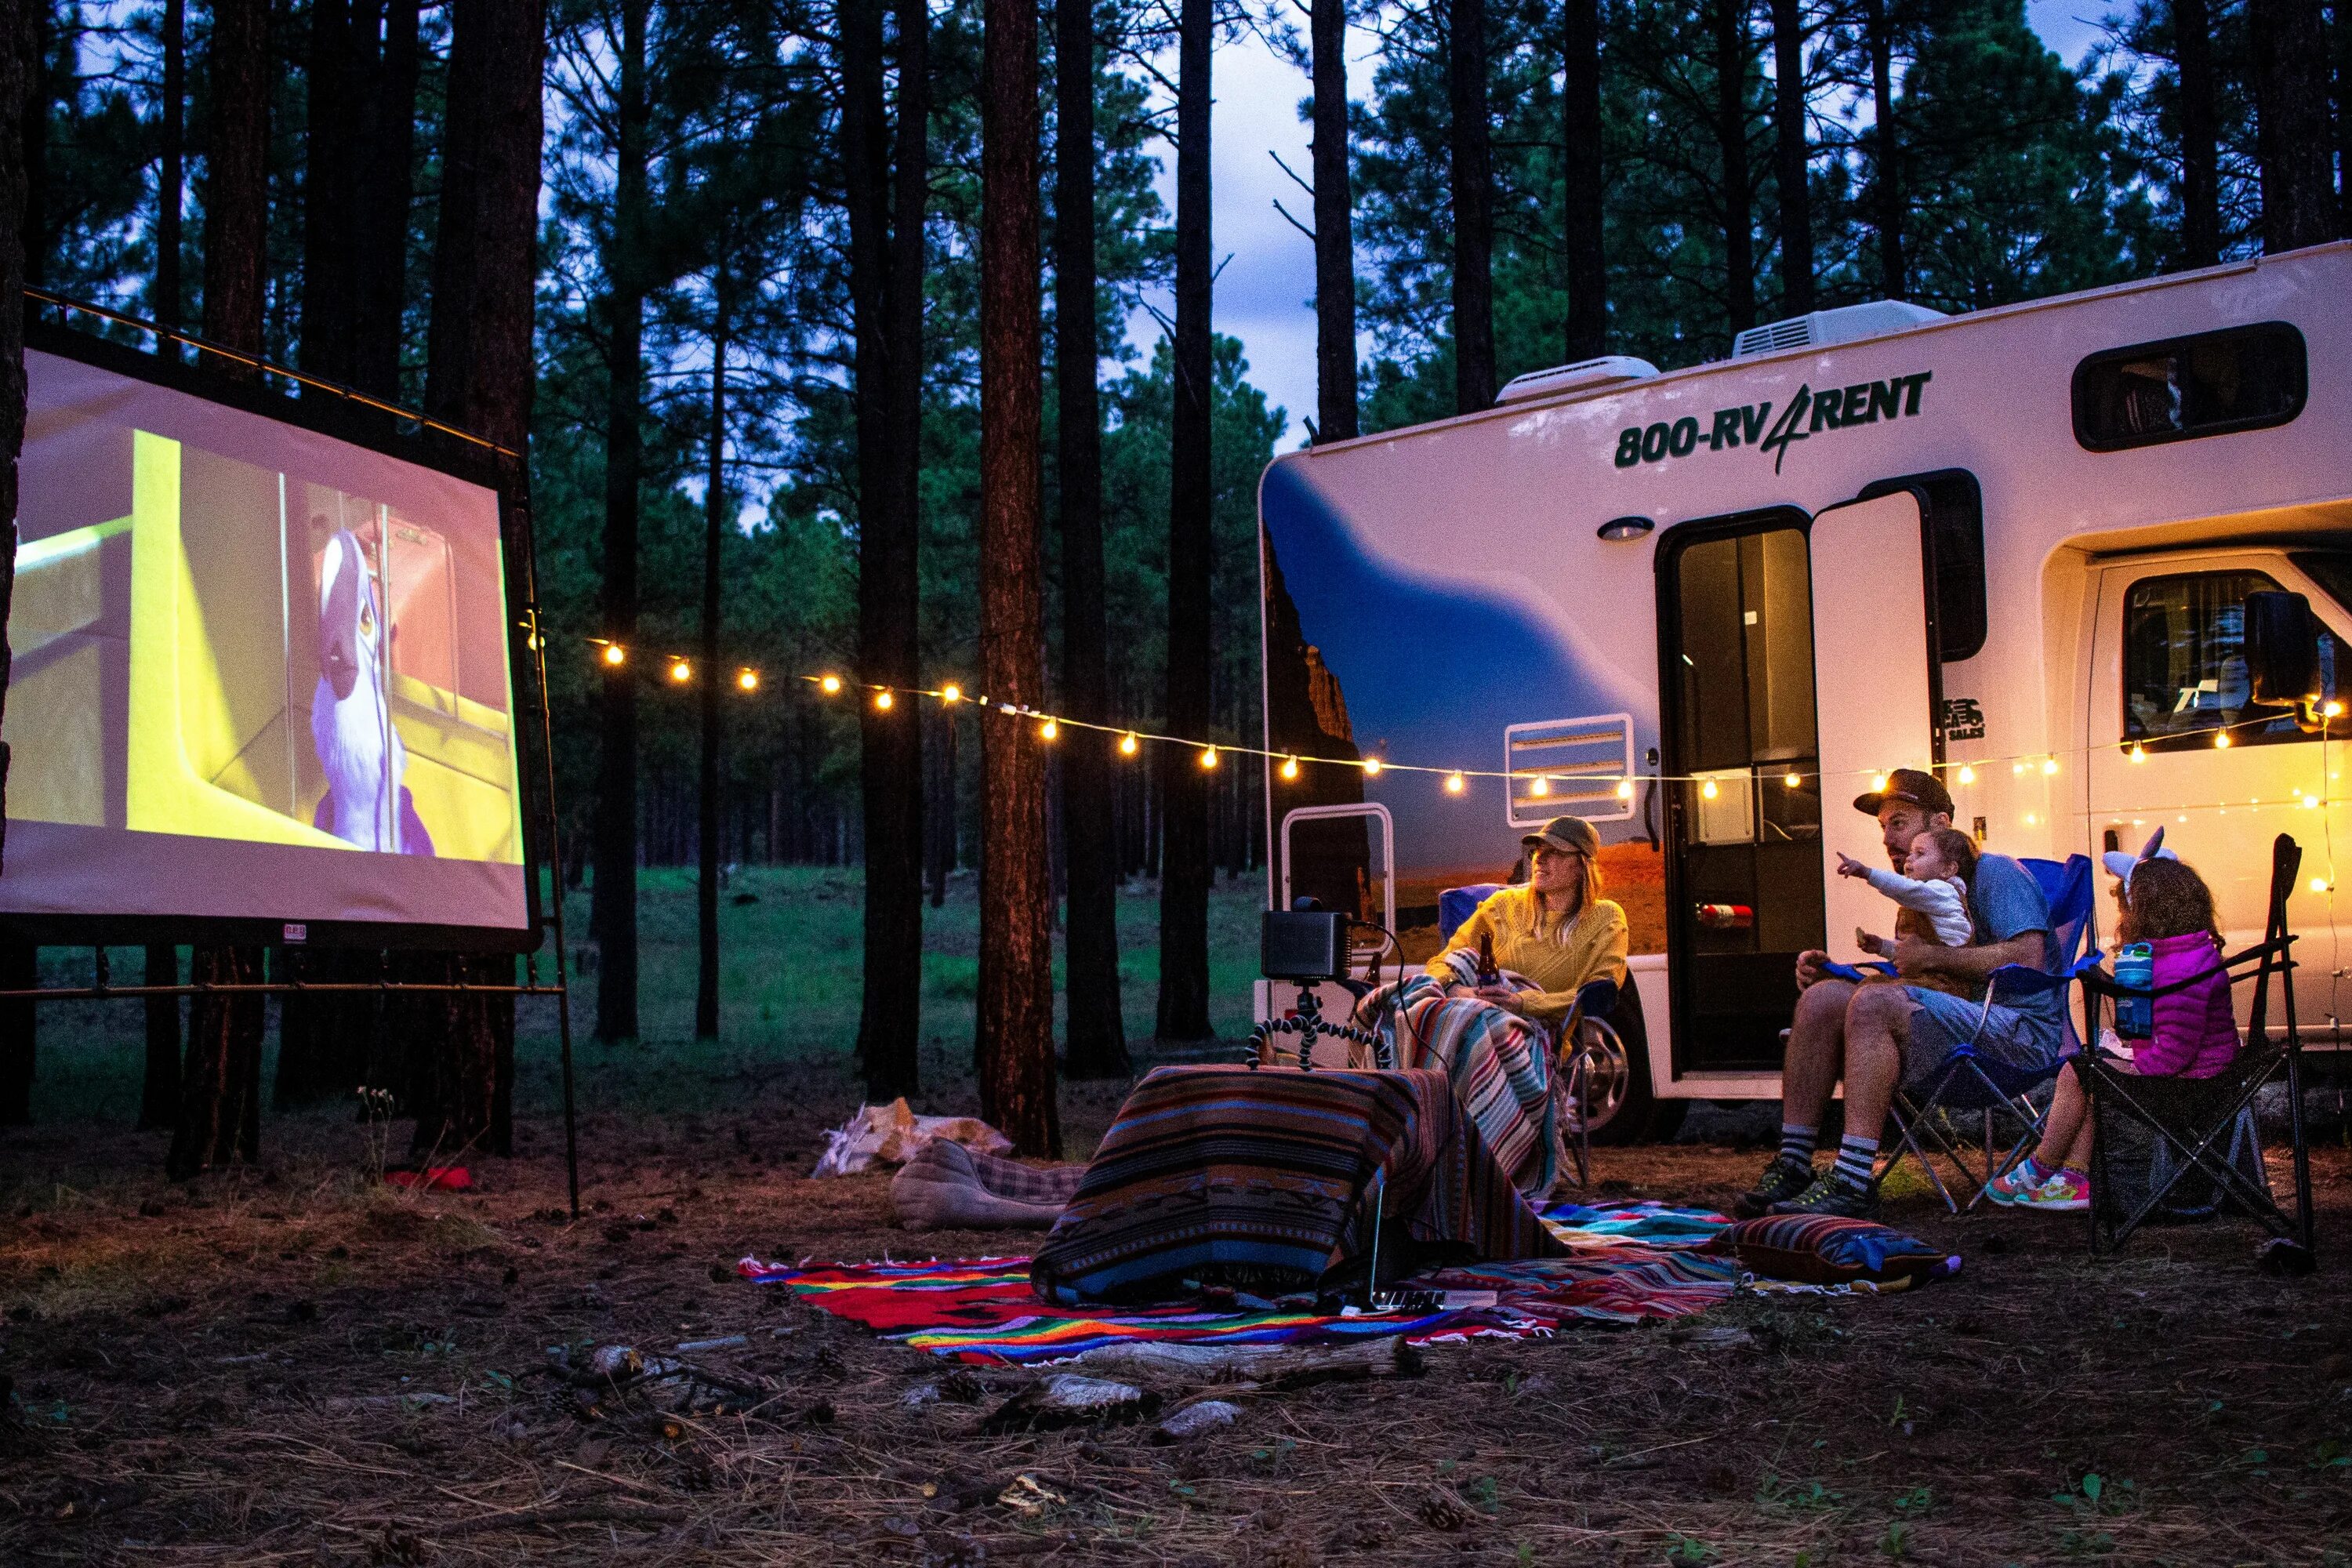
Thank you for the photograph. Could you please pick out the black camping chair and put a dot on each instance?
(2186, 1146)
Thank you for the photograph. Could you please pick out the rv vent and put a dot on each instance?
(1576, 377)
(1822, 328)
(1575, 765)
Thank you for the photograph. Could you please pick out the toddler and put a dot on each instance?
(1935, 891)
(2195, 1033)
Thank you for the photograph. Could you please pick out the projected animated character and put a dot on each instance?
(366, 805)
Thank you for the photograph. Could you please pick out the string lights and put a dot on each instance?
(1289, 767)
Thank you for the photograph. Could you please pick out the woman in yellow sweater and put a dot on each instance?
(1556, 929)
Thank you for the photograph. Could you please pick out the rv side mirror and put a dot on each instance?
(2282, 649)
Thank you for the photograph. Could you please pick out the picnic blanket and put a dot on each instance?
(985, 1309)
(1270, 1180)
(1499, 1064)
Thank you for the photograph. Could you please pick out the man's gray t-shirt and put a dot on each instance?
(2004, 902)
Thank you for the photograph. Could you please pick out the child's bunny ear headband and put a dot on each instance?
(2121, 866)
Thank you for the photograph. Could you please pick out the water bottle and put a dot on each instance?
(2136, 1015)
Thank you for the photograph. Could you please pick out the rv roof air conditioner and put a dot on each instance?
(1822, 328)
(1580, 376)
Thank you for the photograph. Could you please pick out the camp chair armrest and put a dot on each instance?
(1855, 974)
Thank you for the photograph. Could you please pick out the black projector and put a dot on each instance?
(1306, 946)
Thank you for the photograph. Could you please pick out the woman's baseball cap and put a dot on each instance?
(1566, 833)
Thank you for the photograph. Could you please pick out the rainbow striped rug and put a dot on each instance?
(1626, 1263)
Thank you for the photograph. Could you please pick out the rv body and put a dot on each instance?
(1705, 608)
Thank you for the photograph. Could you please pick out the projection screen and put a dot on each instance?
(260, 674)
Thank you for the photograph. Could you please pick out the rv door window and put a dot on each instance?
(2184, 664)
(2247, 378)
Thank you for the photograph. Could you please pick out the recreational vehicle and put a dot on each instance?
(1705, 609)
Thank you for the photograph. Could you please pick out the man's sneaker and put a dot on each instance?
(2011, 1186)
(1783, 1179)
(2065, 1192)
(1832, 1195)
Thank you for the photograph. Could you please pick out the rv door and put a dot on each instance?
(1875, 685)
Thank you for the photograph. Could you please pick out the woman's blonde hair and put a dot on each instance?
(1588, 892)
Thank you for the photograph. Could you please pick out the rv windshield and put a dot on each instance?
(2331, 572)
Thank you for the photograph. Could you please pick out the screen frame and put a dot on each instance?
(344, 419)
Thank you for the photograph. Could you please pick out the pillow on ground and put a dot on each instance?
(1825, 1249)
(946, 1187)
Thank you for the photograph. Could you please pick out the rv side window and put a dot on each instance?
(2246, 378)
(2184, 664)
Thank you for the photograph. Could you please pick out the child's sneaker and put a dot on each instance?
(2066, 1192)
(2011, 1185)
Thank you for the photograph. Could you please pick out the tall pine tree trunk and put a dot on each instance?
(1183, 1011)
(1097, 1044)
(221, 1083)
(1885, 181)
(387, 185)
(613, 911)
(19, 59)
(169, 300)
(1472, 175)
(2200, 136)
(1335, 229)
(1015, 1025)
(714, 522)
(332, 156)
(2293, 145)
(1731, 150)
(481, 374)
(891, 778)
(159, 1090)
(1792, 157)
(1582, 183)
(32, 120)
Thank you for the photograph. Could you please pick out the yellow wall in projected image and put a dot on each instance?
(218, 729)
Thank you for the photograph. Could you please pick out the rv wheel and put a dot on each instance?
(1617, 1065)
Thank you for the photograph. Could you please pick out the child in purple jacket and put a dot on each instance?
(2195, 1034)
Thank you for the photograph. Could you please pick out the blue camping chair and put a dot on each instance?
(1965, 1082)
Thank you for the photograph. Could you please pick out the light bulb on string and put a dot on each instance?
(950, 692)
(2220, 740)
(2049, 766)
(1877, 781)
(2139, 752)
(1129, 744)
(1289, 767)
(1625, 789)
(1372, 767)
(1967, 775)
(749, 680)
(829, 684)
(1455, 784)
(1208, 757)
(2331, 709)
(1541, 787)
(680, 671)
(1709, 792)
(1049, 730)
(883, 702)
(1790, 781)
(615, 654)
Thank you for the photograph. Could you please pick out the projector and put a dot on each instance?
(1307, 946)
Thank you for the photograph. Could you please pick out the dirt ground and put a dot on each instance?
(288, 1363)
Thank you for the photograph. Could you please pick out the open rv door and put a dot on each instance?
(1875, 682)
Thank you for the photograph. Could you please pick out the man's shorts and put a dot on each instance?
(1940, 1022)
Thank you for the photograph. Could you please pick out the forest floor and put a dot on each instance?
(290, 1362)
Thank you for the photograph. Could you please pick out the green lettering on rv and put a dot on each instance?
(1808, 413)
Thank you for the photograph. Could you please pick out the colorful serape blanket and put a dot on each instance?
(1499, 1065)
(985, 1309)
(1270, 1180)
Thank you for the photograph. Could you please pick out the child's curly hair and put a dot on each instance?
(2166, 898)
(1959, 849)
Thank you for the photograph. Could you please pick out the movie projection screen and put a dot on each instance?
(260, 673)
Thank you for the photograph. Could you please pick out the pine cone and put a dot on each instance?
(1442, 1509)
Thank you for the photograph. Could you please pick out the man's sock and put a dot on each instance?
(1856, 1156)
(1797, 1142)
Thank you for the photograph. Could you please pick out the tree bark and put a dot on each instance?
(1184, 1010)
(2292, 140)
(714, 522)
(613, 911)
(170, 300)
(1886, 185)
(1582, 183)
(220, 1103)
(1792, 157)
(1471, 176)
(332, 157)
(159, 1092)
(236, 180)
(387, 186)
(1096, 1034)
(18, 60)
(325, 1041)
(32, 120)
(1014, 1048)
(889, 341)
(1731, 146)
(1335, 231)
(20, 970)
(2200, 136)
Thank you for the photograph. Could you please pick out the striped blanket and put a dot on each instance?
(1269, 1180)
(1499, 1063)
(985, 1309)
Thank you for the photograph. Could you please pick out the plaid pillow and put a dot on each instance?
(1828, 1249)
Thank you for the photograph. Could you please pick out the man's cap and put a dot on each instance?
(1923, 790)
(1566, 833)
